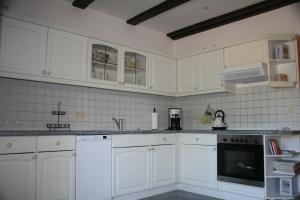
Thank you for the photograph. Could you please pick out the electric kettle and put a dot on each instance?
(219, 123)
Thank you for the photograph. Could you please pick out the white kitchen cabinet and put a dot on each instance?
(251, 52)
(17, 176)
(131, 171)
(23, 47)
(209, 66)
(56, 175)
(198, 165)
(104, 62)
(164, 165)
(135, 69)
(187, 75)
(66, 55)
(163, 74)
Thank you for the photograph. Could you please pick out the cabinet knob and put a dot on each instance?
(34, 157)
(48, 73)
(44, 72)
(9, 145)
(197, 139)
(222, 84)
(151, 87)
(150, 149)
(74, 154)
(196, 88)
(153, 149)
(58, 143)
(164, 138)
(214, 149)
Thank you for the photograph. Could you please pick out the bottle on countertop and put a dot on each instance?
(154, 120)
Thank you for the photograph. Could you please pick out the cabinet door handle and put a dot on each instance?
(48, 73)
(34, 157)
(214, 149)
(151, 87)
(153, 149)
(149, 148)
(58, 143)
(222, 84)
(44, 72)
(73, 154)
(9, 145)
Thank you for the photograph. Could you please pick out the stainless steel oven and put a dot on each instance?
(241, 159)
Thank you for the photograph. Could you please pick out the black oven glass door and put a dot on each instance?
(241, 164)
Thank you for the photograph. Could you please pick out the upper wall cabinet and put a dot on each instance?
(163, 74)
(247, 53)
(136, 68)
(104, 62)
(209, 66)
(67, 55)
(23, 47)
(187, 75)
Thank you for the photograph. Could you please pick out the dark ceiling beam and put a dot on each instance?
(156, 10)
(82, 3)
(227, 18)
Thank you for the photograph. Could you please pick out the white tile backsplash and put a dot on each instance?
(28, 105)
(251, 108)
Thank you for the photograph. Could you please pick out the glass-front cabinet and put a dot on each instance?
(104, 62)
(135, 68)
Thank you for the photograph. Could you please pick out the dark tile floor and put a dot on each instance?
(179, 195)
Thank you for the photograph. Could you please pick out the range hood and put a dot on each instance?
(254, 72)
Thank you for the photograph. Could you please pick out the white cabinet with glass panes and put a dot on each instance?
(104, 62)
(135, 71)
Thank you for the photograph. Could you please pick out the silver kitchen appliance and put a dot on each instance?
(175, 119)
(219, 122)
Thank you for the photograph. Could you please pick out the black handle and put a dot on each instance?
(220, 111)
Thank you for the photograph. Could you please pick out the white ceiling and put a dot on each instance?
(179, 17)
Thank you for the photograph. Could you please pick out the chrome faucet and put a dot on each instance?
(119, 123)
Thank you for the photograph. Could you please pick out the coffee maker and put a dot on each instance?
(174, 119)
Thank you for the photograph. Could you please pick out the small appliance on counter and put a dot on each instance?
(174, 119)
(219, 122)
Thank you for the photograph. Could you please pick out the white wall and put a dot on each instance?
(61, 14)
(285, 20)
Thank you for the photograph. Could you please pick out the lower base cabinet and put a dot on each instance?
(140, 168)
(164, 162)
(130, 170)
(55, 175)
(198, 165)
(17, 176)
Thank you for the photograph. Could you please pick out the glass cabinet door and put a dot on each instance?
(135, 68)
(104, 63)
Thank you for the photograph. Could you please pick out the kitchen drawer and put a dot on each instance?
(131, 140)
(158, 139)
(55, 143)
(194, 138)
(17, 145)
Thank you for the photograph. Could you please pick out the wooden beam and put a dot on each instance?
(82, 3)
(233, 16)
(156, 10)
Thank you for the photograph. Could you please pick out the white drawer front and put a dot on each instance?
(131, 140)
(198, 138)
(17, 145)
(55, 143)
(158, 139)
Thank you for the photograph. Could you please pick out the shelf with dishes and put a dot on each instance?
(282, 62)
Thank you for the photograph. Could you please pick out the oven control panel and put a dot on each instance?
(240, 139)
